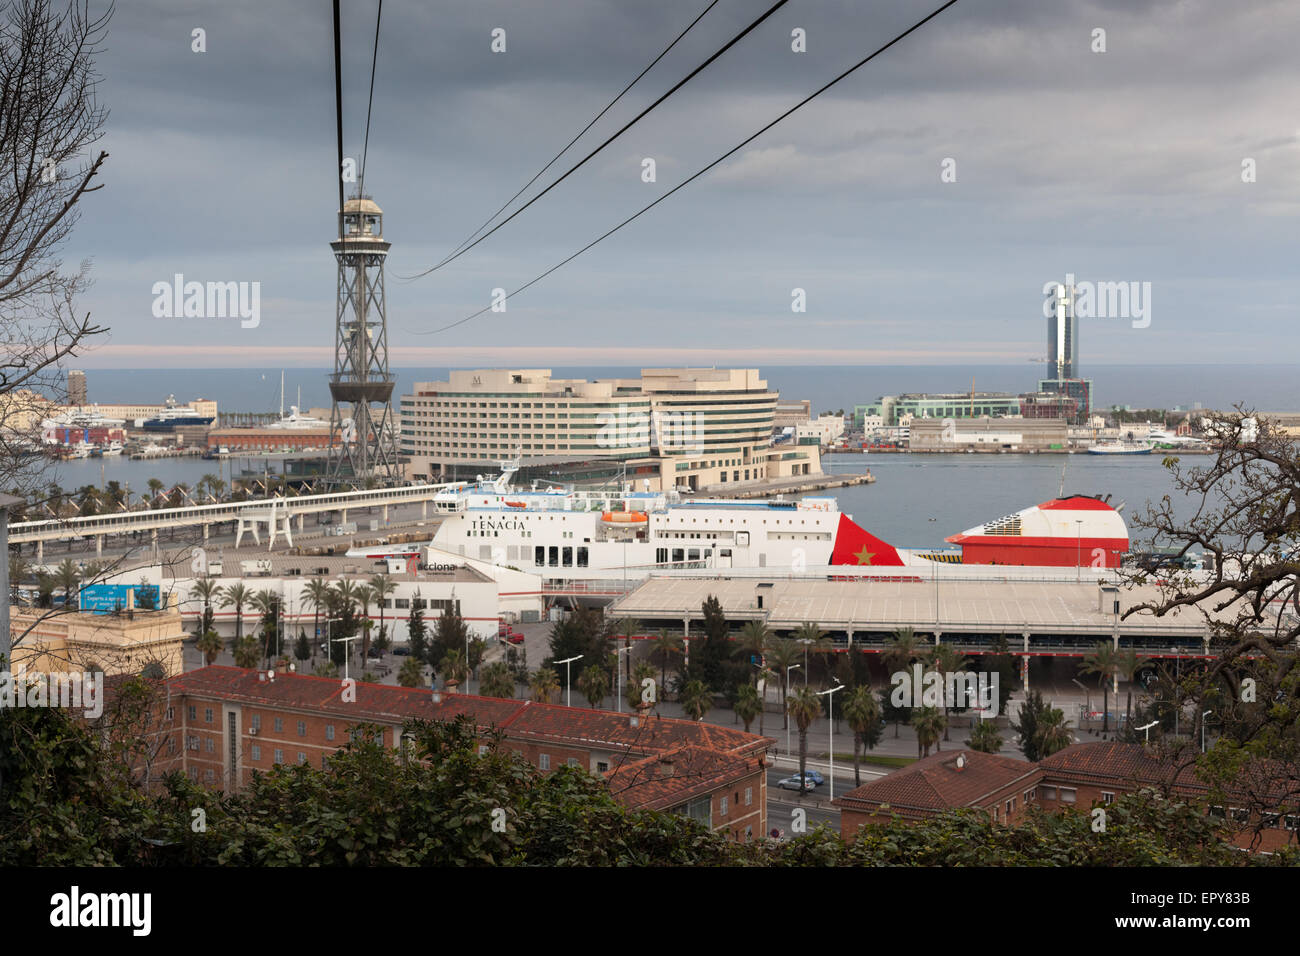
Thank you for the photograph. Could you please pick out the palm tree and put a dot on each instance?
(754, 637)
(207, 590)
(19, 568)
(640, 672)
(496, 681)
(902, 649)
(665, 645)
(383, 586)
(317, 594)
(1102, 661)
(985, 738)
(236, 596)
(247, 653)
(208, 481)
(782, 654)
(747, 704)
(862, 711)
(943, 660)
(454, 668)
(899, 654)
(627, 628)
(814, 640)
(1053, 733)
(365, 594)
(342, 597)
(594, 684)
(804, 706)
(697, 699)
(268, 604)
(210, 645)
(68, 577)
(929, 724)
(155, 489)
(1128, 663)
(543, 685)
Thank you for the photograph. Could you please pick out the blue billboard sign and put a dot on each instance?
(102, 598)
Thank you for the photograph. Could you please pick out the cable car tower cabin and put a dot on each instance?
(363, 447)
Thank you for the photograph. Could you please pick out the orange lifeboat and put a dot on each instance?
(624, 517)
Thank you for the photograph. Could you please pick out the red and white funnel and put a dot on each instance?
(1063, 532)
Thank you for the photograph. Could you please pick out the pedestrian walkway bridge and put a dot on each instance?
(203, 517)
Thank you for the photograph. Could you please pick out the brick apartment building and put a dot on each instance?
(725, 791)
(1082, 776)
(222, 724)
(1001, 786)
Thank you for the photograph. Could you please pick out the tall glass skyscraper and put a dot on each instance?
(1063, 339)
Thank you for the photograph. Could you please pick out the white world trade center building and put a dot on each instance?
(669, 428)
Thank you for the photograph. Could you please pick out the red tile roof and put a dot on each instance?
(521, 720)
(937, 783)
(669, 779)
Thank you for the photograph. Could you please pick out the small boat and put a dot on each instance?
(515, 504)
(1121, 448)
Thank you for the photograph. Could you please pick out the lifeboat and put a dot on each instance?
(624, 517)
(516, 504)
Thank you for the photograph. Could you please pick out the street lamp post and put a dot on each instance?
(1203, 716)
(620, 675)
(568, 683)
(787, 718)
(830, 718)
(1147, 728)
(1078, 550)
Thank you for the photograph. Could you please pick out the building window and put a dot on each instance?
(1049, 793)
(171, 714)
(572, 761)
(701, 809)
(302, 758)
(192, 742)
(207, 715)
(544, 762)
(193, 712)
(279, 757)
(329, 731)
(482, 750)
(1107, 798)
(256, 722)
(209, 746)
(279, 724)
(256, 752)
(749, 796)
(722, 807)
(209, 776)
(302, 728)
(1068, 794)
(602, 766)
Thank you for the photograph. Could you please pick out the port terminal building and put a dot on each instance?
(669, 428)
(1039, 612)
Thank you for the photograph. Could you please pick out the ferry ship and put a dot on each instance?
(563, 533)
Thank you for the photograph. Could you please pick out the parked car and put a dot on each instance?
(814, 777)
(401, 650)
(796, 783)
(515, 639)
(376, 653)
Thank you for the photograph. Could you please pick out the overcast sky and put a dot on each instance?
(1117, 166)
